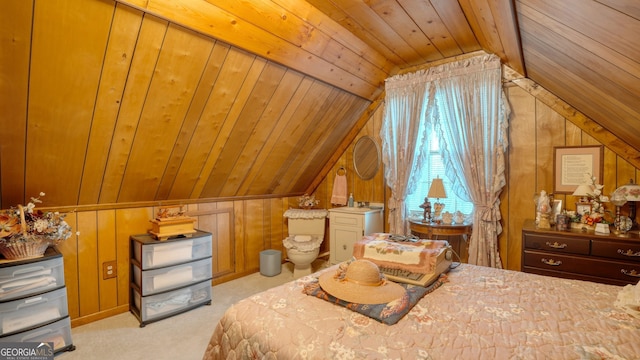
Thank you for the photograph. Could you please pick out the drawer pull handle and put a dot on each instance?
(552, 262)
(555, 245)
(344, 247)
(630, 273)
(628, 252)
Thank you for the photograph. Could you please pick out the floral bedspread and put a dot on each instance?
(480, 313)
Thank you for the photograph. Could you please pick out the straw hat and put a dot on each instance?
(360, 282)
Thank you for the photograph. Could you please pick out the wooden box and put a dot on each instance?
(163, 229)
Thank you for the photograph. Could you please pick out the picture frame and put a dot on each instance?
(556, 209)
(574, 165)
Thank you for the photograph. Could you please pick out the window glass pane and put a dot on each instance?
(435, 168)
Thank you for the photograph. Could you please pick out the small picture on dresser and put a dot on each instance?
(556, 209)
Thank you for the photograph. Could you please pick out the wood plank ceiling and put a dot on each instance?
(116, 101)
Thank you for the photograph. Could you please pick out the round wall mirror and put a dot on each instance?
(366, 157)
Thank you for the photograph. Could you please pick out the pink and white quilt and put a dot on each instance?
(479, 313)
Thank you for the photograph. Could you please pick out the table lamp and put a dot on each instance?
(436, 190)
(618, 199)
(583, 204)
(631, 193)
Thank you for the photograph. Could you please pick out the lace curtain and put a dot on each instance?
(466, 99)
(406, 103)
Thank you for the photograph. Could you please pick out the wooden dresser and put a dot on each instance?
(581, 255)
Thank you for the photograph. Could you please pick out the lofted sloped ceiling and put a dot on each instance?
(117, 101)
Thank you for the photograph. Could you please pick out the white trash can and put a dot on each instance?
(270, 262)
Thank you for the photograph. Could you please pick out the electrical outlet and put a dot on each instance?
(109, 270)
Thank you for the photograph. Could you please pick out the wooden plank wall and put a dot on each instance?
(242, 228)
(103, 103)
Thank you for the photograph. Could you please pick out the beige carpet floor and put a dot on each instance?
(184, 336)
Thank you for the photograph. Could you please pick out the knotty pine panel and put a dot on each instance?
(313, 34)
(147, 51)
(208, 18)
(198, 161)
(253, 234)
(15, 49)
(69, 250)
(61, 104)
(521, 175)
(88, 263)
(217, 218)
(267, 128)
(293, 141)
(175, 174)
(341, 118)
(122, 41)
(179, 68)
(128, 222)
(225, 121)
(547, 136)
(222, 142)
(256, 183)
(584, 95)
(229, 174)
(107, 251)
(302, 169)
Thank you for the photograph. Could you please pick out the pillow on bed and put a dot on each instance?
(388, 313)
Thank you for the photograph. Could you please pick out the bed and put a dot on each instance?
(477, 313)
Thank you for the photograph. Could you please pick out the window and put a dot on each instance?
(435, 168)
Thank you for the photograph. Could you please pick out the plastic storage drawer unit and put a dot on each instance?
(59, 333)
(151, 253)
(31, 276)
(171, 277)
(21, 314)
(159, 306)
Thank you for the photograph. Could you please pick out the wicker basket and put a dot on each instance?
(27, 246)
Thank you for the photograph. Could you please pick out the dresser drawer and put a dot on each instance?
(31, 277)
(151, 253)
(557, 244)
(159, 306)
(619, 270)
(171, 277)
(616, 249)
(21, 314)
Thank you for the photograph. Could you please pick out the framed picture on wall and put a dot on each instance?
(574, 165)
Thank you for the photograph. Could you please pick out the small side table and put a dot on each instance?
(451, 232)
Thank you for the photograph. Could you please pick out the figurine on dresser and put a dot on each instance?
(543, 210)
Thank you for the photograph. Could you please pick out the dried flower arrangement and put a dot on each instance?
(26, 232)
(598, 212)
(307, 201)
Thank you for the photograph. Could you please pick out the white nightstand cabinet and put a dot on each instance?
(348, 225)
(169, 277)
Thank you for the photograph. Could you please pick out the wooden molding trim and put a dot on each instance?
(99, 315)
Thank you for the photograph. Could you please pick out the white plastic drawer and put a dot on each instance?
(172, 302)
(31, 278)
(172, 277)
(159, 254)
(21, 314)
(59, 333)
